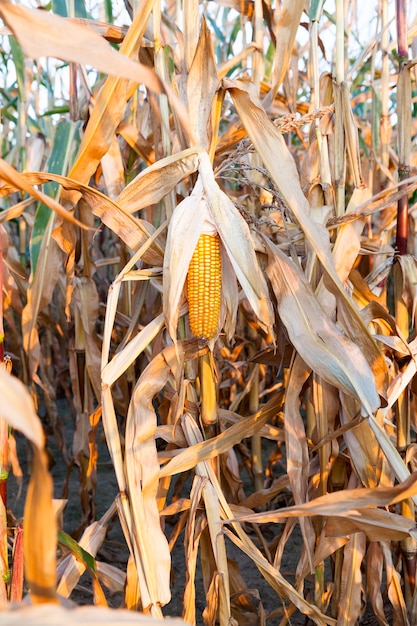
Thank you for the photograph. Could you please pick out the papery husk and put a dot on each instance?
(158, 180)
(236, 239)
(202, 82)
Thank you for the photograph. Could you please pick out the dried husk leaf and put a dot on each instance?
(157, 180)
(183, 232)
(202, 82)
(236, 238)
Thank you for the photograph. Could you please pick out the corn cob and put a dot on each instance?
(204, 287)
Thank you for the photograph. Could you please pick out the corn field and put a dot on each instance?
(208, 258)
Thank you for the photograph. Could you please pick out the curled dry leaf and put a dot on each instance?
(142, 477)
(18, 181)
(345, 503)
(133, 231)
(205, 450)
(18, 409)
(316, 337)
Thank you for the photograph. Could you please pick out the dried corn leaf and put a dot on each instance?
(344, 503)
(278, 582)
(18, 409)
(110, 105)
(193, 531)
(363, 446)
(268, 571)
(111, 577)
(395, 592)
(289, 15)
(378, 525)
(43, 34)
(19, 181)
(296, 446)
(71, 569)
(374, 568)
(212, 508)
(275, 155)
(316, 338)
(134, 232)
(142, 475)
(205, 450)
(123, 359)
(350, 605)
(40, 532)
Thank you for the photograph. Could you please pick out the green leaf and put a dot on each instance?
(58, 163)
(19, 63)
(60, 7)
(80, 554)
(316, 8)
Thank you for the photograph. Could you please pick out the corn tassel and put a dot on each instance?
(204, 287)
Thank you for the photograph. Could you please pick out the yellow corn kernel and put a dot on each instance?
(204, 287)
